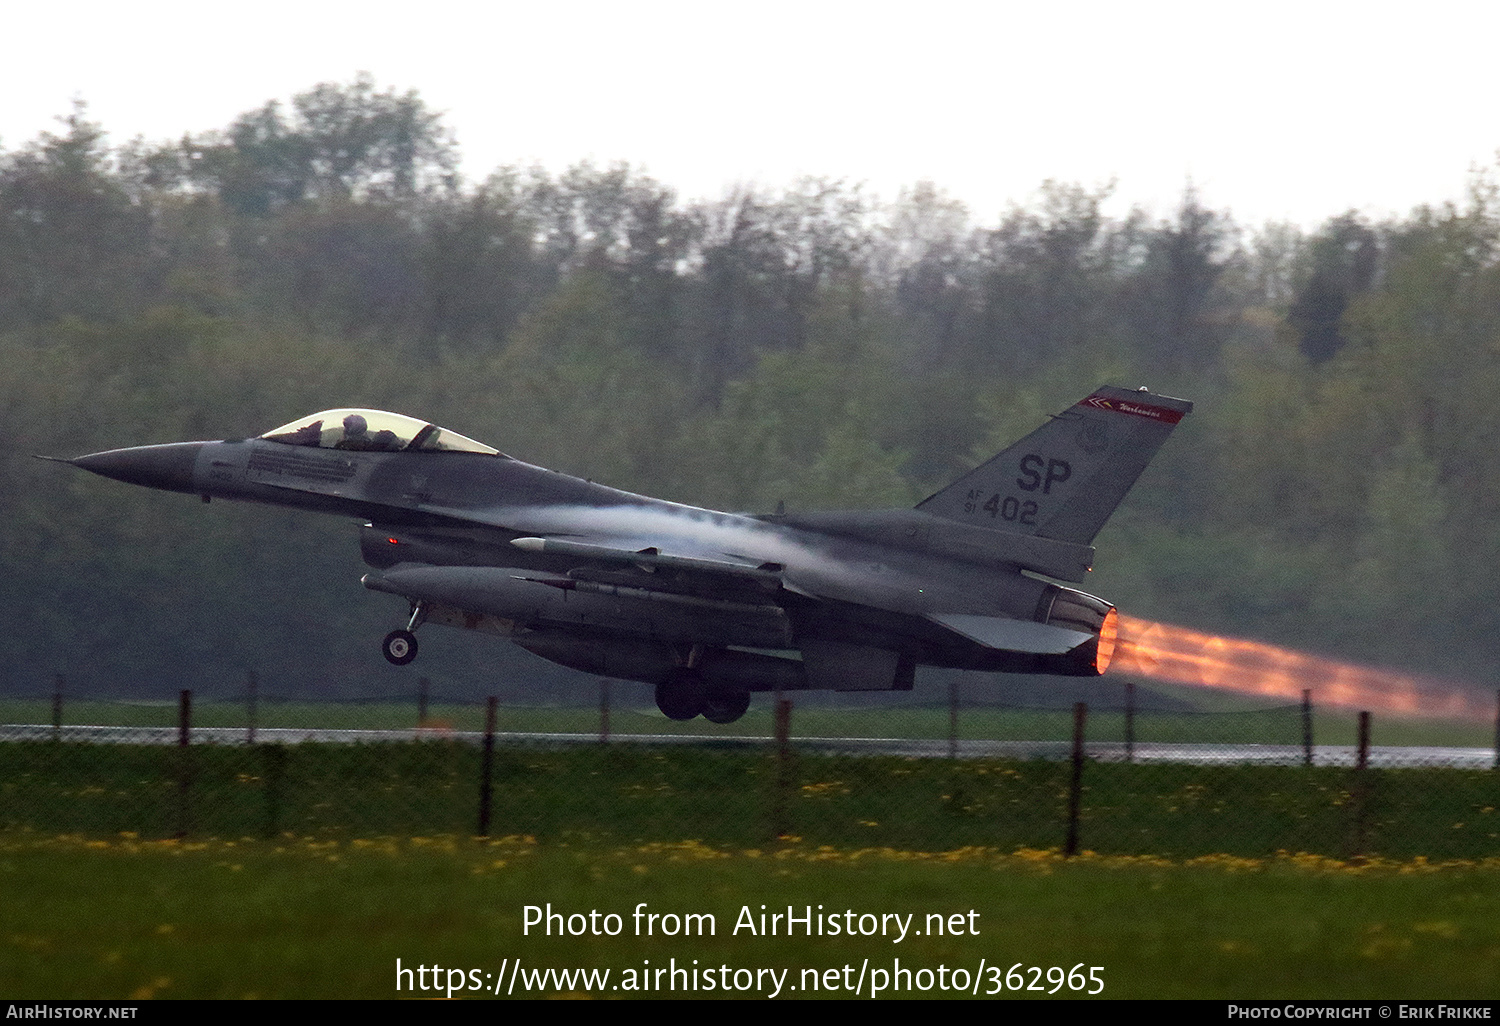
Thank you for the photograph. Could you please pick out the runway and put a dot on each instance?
(1380, 757)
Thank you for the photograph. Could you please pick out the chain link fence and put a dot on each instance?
(955, 774)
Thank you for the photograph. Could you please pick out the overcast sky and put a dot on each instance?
(1275, 110)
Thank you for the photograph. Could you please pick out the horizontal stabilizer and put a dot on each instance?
(1007, 635)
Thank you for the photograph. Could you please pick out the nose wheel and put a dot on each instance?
(399, 647)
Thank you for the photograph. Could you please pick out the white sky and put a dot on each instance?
(1275, 110)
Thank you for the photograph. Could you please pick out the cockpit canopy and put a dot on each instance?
(373, 431)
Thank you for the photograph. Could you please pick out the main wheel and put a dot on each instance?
(725, 706)
(681, 697)
(400, 647)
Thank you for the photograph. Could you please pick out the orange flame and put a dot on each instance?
(1182, 656)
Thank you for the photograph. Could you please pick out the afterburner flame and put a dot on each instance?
(1109, 634)
(1182, 656)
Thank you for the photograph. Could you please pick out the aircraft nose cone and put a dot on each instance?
(155, 466)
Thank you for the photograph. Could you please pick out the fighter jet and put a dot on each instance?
(707, 606)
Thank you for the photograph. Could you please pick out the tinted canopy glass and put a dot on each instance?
(373, 431)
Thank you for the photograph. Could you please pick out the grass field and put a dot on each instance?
(743, 798)
(306, 917)
(308, 870)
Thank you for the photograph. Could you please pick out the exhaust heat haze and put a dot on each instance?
(1182, 656)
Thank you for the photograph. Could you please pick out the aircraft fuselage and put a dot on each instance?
(710, 606)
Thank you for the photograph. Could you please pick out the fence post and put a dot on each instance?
(1075, 788)
(57, 692)
(952, 718)
(780, 827)
(1361, 790)
(184, 755)
(1307, 739)
(184, 717)
(1497, 730)
(603, 710)
(1129, 720)
(486, 767)
(251, 686)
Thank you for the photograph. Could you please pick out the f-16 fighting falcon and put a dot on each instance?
(707, 606)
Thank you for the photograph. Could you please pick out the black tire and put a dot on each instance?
(399, 647)
(725, 706)
(681, 697)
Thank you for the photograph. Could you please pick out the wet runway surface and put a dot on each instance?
(1384, 757)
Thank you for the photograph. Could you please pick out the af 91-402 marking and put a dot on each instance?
(1038, 473)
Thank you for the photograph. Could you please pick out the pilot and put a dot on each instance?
(356, 434)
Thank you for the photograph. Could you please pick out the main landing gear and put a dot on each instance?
(400, 646)
(725, 706)
(684, 696)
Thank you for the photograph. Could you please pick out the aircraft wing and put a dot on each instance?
(649, 538)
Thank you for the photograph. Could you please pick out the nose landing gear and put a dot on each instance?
(400, 646)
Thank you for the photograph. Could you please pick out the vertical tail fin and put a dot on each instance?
(1064, 479)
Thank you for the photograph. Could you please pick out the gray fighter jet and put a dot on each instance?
(707, 606)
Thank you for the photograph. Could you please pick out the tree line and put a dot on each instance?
(808, 344)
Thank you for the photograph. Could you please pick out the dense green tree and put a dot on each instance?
(72, 241)
(1045, 278)
(570, 393)
(478, 266)
(763, 264)
(1176, 311)
(1342, 260)
(920, 262)
(338, 142)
